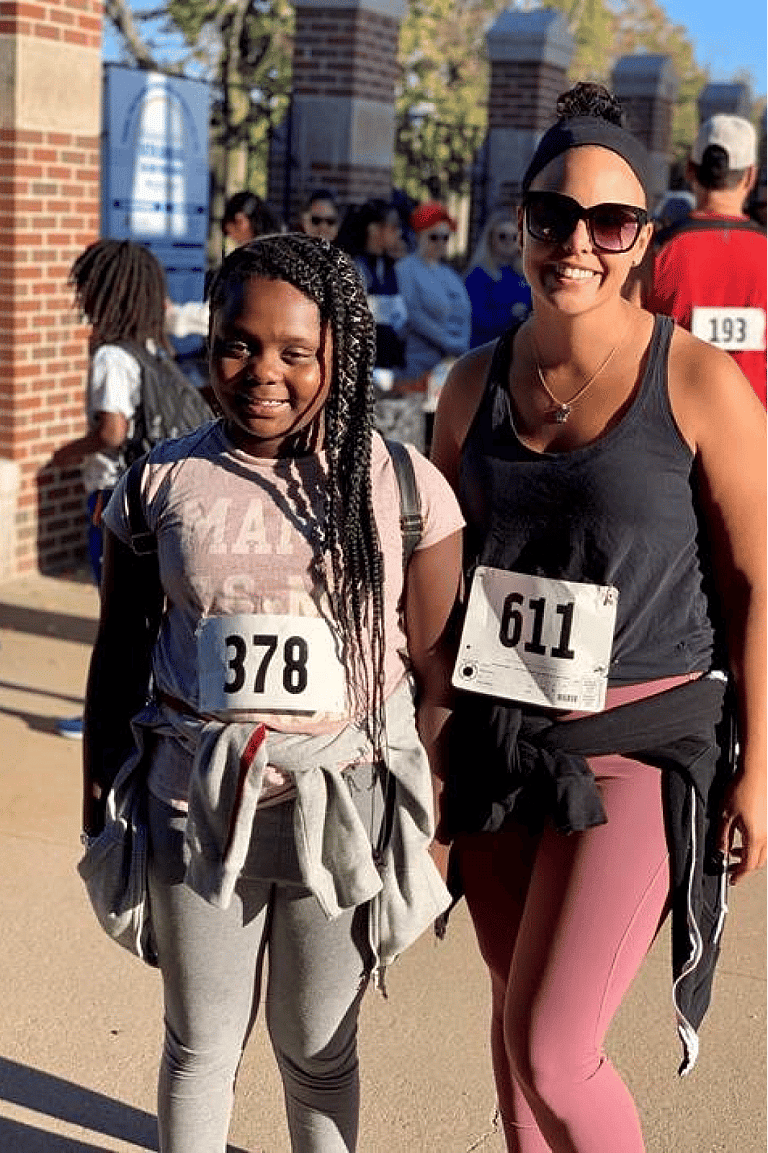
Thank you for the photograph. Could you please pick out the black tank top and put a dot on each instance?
(620, 511)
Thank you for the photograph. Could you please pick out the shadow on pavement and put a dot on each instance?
(43, 623)
(40, 723)
(44, 1093)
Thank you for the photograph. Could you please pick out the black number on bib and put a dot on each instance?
(269, 642)
(237, 664)
(727, 330)
(534, 645)
(512, 619)
(511, 616)
(295, 654)
(561, 649)
(295, 658)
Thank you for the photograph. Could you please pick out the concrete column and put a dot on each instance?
(50, 77)
(734, 99)
(341, 123)
(529, 53)
(647, 87)
(10, 480)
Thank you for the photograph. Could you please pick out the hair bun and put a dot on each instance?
(586, 99)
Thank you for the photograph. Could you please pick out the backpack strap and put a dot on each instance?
(143, 540)
(411, 517)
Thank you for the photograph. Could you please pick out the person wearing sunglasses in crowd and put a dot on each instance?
(438, 307)
(610, 467)
(320, 216)
(494, 279)
(367, 234)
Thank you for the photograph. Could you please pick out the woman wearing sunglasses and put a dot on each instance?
(611, 471)
(494, 279)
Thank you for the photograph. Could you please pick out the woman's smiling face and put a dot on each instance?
(573, 276)
(270, 366)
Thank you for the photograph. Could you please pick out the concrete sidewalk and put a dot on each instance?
(80, 1027)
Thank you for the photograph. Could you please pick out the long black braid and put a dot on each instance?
(120, 290)
(327, 276)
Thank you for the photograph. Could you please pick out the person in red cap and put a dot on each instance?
(439, 309)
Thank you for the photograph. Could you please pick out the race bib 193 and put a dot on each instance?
(537, 640)
(732, 329)
(269, 663)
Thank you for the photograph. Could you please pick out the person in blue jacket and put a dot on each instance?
(494, 280)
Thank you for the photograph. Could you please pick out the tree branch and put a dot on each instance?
(122, 17)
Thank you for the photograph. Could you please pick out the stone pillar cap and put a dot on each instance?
(734, 98)
(645, 74)
(396, 9)
(538, 36)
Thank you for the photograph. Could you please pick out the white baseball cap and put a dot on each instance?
(733, 134)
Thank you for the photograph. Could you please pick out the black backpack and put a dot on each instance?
(170, 404)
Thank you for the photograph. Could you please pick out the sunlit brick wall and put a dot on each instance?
(50, 67)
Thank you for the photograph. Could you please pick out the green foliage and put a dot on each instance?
(643, 26)
(440, 105)
(244, 47)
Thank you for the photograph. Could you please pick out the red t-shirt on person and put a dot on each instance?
(716, 262)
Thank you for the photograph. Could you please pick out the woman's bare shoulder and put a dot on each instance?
(458, 403)
(466, 382)
(708, 392)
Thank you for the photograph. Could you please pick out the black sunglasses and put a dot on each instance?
(318, 220)
(551, 217)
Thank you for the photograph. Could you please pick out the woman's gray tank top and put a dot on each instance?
(620, 511)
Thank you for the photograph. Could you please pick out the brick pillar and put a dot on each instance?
(734, 99)
(529, 53)
(647, 87)
(342, 118)
(50, 76)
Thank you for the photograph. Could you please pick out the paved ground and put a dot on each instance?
(79, 1030)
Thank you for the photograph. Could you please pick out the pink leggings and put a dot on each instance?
(563, 923)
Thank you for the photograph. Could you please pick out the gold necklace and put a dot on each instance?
(563, 408)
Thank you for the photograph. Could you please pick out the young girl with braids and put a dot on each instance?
(611, 469)
(290, 652)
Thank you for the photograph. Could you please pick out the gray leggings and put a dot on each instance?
(211, 962)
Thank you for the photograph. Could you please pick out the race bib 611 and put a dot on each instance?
(269, 663)
(537, 640)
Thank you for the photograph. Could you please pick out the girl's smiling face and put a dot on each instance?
(574, 276)
(271, 367)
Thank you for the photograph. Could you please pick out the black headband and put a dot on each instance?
(577, 131)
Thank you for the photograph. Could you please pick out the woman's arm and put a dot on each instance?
(456, 408)
(433, 586)
(724, 423)
(118, 677)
